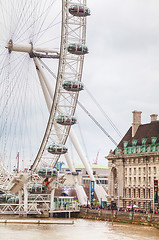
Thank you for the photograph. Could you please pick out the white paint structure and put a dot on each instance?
(100, 192)
(73, 27)
(49, 97)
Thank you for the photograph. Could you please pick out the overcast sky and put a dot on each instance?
(121, 69)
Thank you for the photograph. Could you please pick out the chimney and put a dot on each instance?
(153, 117)
(136, 122)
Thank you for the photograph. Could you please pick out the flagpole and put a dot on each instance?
(18, 162)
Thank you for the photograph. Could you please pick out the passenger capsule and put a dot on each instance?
(79, 10)
(47, 172)
(73, 86)
(4, 197)
(77, 48)
(36, 188)
(13, 200)
(66, 120)
(57, 149)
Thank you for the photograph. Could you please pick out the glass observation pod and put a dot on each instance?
(47, 172)
(4, 197)
(66, 120)
(74, 86)
(77, 48)
(36, 188)
(57, 149)
(79, 10)
(13, 200)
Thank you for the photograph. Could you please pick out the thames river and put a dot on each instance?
(80, 230)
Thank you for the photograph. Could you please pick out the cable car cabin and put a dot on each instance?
(77, 48)
(73, 86)
(66, 120)
(36, 188)
(79, 10)
(47, 172)
(57, 149)
(13, 200)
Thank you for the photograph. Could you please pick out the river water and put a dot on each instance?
(80, 230)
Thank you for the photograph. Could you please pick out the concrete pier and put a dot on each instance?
(30, 221)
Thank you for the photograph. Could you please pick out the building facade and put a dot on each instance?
(100, 173)
(134, 165)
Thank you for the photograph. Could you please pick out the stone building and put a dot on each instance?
(134, 164)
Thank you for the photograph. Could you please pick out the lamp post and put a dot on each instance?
(101, 205)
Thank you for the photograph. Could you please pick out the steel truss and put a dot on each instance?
(70, 68)
(37, 204)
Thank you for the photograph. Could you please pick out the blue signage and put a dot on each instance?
(92, 191)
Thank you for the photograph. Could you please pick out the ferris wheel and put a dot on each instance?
(42, 48)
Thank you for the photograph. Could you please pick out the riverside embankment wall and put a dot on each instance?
(124, 217)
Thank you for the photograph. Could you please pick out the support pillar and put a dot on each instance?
(52, 207)
(25, 199)
(20, 197)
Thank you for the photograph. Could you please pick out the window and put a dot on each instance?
(153, 140)
(134, 142)
(154, 170)
(149, 193)
(138, 193)
(149, 180)
(139, 171)
(134, 171)
(144, 193)
(144, 170)
(134, 193)
(129, 193)
(125, 144)
(144, 141)
(139, 180)
(129, 171)
(144, 180)
(149, 170)
(134, 180)
(130, 180)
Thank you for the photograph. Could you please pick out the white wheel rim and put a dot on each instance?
(70, 68)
